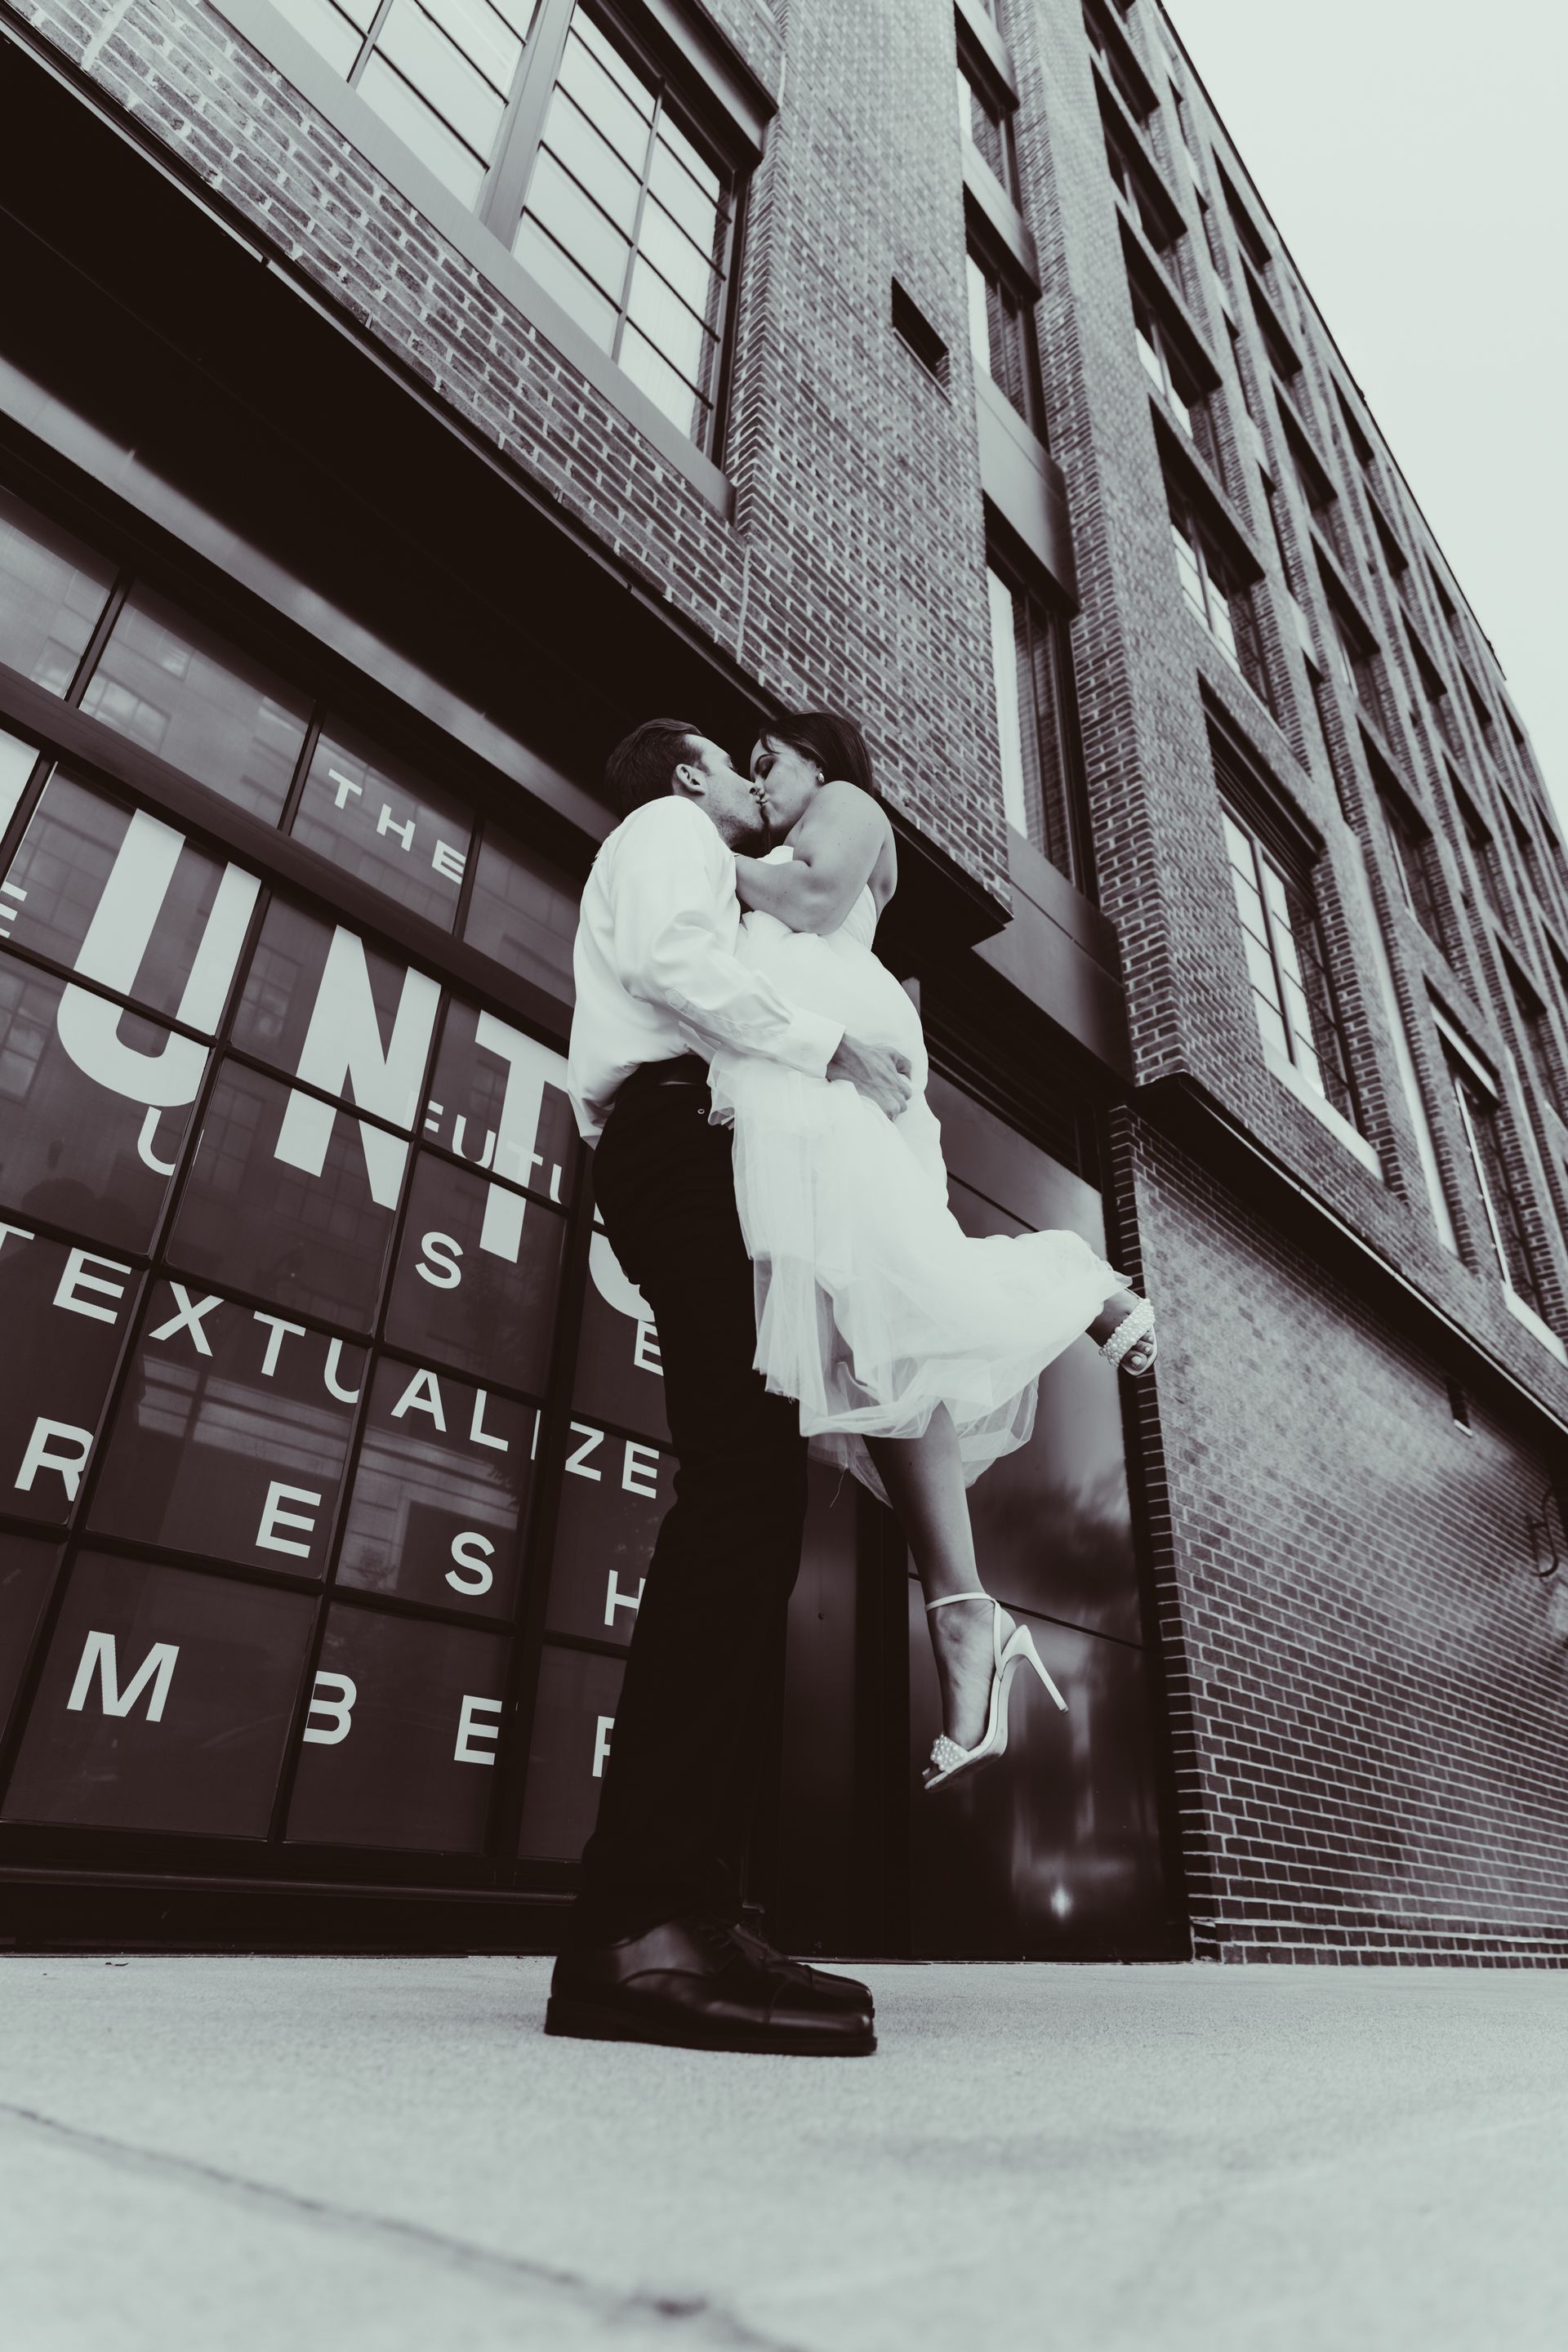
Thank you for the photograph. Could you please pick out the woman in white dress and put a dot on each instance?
(914, 1349)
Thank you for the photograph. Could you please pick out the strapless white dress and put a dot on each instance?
(873, 1305)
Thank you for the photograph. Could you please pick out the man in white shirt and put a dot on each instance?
(654, 1951)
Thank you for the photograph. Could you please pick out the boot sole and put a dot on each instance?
(584, 2020)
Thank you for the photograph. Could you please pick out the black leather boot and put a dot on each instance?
(689, 1985)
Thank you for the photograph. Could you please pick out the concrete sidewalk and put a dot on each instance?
(383, 2153)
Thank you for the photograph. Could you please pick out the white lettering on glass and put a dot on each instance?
(459, 1135)
(19, 1232)
(76, 1279)
(188, 1319)
(639, 1471)
(645, 1350)
(334, 1365)
(387, 823)
(464, 1548)
(612, 1284)
(442, 1272)
(448, 860)
(423, 1394)
(470, 1728)
(615, 1598)
(477, 1433)
(41, 1455)
(332, 1696)
(530, 1067)
(602, 1731)
(274, 1516)
(345, 785)
(98, 1657)
(591, 1437)
(343, 1053)
(279, 1330)
(147, 1135)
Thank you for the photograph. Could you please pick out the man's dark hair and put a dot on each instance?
(642, 766)
(832, 740)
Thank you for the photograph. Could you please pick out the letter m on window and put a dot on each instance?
(98, 1657)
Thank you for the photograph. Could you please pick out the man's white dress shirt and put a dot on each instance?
(655, 967)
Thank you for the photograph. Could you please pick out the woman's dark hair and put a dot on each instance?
(642, 766)
(834, 741)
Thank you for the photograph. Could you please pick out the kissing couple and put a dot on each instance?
(771, 1177)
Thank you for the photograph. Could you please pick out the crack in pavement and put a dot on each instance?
(705, 2322)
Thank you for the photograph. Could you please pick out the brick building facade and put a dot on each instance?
(396, 402)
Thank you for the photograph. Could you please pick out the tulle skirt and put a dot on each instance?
(873, 1305)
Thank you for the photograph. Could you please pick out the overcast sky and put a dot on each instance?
(1411, 152)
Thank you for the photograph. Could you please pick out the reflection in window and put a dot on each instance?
(499, 1101)
(63, 1312)
(383, 822)
(627, 226)
(53, 590)
(477, 1275)
(324, 1007)
(523, 912)
(179, 690)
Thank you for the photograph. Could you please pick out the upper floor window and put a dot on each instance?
(1155, 211)
(1483, 848)
(1041, 791)
(1536, 1023)
(986, 117)
(1216, 594)
(1169, 370)
(600, 179)
(1292, 994)
(1001, 334)
(1357, 661)
(1414, 858)
(1480, 1124)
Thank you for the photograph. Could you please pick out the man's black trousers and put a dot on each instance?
(708, 1645)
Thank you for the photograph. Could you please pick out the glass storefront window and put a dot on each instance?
(477, 1277)
(619, 1378)
(181, 690)
(63, 1309)
(18, 761)
(499, 1101)
(166, 1702)
(383, 823)
(440, 1492)
(26, 1571)
(289, 1198)
(232, 1434)
(323, 1006)
(126, 899)
(614, 1495)
(523, 912)
(53, 590)
(573, 1721)
(401, 1741)
(94, 1105)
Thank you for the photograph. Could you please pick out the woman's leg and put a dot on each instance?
(1116, 1309)
(925, 1479)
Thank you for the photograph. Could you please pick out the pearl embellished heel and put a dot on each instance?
(947, 1757)
(1138, 1323)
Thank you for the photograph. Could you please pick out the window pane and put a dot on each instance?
(483, 35)
(591, 164)
(327, 29)
(576, 223)
(1004, 666)
(403, 111)
(613, 1495)
(574, 1717)
(622, 120)
(979, 316)
(477, 1277)
(675, 258)
(671, 393)
(620, 1374)
(185, 693)
(1260, 968)
(442, 76)
(94, 1105)
(64, 1311)
(439, 1492)
(320, 1004)
(1190, 578)
(675, 333)
(289, 1198)
(602, 49)
(200, 1673)
(692, 162)
(1151, 359)
(124, 898)
(697, 209)
(27, 1572)
(53, 590)
(231, 1436)
(384, 822)
(401, 1747)
(499, 1101)
(523, 911)
(558, 276)
(1271, 1025)
(1220, 621)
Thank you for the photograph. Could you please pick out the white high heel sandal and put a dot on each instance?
(947, 1757)
(1138, 1323)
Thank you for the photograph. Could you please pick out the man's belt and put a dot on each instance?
(681, 1070)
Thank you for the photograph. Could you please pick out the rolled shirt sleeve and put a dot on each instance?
(674, 935)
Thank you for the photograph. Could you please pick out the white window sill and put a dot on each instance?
(1533, 1324)
(1290, 1077)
